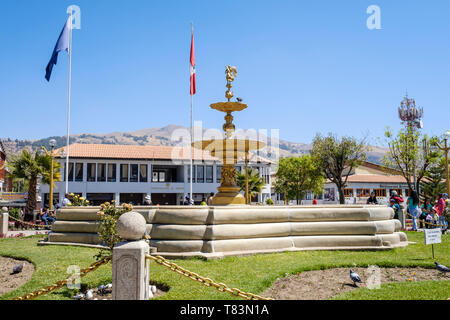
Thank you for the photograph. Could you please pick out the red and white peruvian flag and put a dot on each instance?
(192, 66)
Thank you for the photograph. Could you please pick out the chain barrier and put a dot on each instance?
(222, 287)
(431, 224)
(60, 284)
(28, 223)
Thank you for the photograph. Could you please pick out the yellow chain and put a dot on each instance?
(431, 224)
(28, 223)
(222, 287)
(60, 284)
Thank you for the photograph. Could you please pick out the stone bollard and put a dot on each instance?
(4, 222)
(130, 267)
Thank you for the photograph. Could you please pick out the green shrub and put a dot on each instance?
(109, 214)
(269, 202)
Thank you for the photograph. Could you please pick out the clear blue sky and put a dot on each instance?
(303, 66)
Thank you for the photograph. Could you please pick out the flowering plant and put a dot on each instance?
(78, 201)
(109, 214)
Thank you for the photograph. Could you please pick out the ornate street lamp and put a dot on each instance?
(52, 144)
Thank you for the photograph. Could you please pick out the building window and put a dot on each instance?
(407, 193)
(162, 176)
(380, 192)
(155, 176)
(363, 192)
(209, 174)
(91, 168)
(143, 173)
(112, 172)
(218, 174)
(200, 174)
(70, 171)
(123, 173)
(134, 173)
(189, 173)
(79, 172)
(348, 192)
(101, 172)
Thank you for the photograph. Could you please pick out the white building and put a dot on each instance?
(127, 173)
(361, 182)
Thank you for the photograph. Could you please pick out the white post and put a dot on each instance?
(130, 266)
(4, 222)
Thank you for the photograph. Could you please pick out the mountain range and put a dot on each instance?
(162, 136)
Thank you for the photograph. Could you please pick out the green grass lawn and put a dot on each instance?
(251, 273)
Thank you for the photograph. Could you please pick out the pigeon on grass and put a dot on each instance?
(443, 269)
(18, 268)
(354, 277)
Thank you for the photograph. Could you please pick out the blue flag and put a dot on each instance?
(62, 44)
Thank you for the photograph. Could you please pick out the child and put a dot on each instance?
(394, 205)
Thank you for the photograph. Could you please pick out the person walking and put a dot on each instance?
(372, 198)
(440, 210)
(414, 209)
(210, 199)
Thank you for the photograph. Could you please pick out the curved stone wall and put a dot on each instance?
(181, 231)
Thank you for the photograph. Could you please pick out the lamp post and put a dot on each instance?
(52, 144)
(446, 149)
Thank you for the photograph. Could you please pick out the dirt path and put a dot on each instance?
(10, 282)
(323, 284)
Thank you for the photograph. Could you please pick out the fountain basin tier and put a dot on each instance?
(216, 231)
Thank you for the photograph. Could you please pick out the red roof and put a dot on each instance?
(112, 151)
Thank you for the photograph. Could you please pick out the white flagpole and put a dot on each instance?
(68, 105)
(192, 127)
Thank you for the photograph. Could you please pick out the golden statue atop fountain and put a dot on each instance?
(230, 148)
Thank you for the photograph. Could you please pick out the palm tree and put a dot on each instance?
(255, 182)
(30, 169)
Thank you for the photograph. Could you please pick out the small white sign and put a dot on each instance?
(432, 236)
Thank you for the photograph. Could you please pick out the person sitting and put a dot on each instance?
(66, 202)
(188, 201)
(372, 199)
(203, 203)
(426, 211)
(46, 217)
(315, 200)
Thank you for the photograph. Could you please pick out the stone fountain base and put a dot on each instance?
(216, 231)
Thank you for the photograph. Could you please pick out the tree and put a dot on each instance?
(255, 182)
(411, 154)
(434, 180)
(29, 168)
(296, 176)
(337, 158)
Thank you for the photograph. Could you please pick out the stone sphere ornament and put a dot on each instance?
(131, 226)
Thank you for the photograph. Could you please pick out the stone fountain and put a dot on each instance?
(229, 227)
